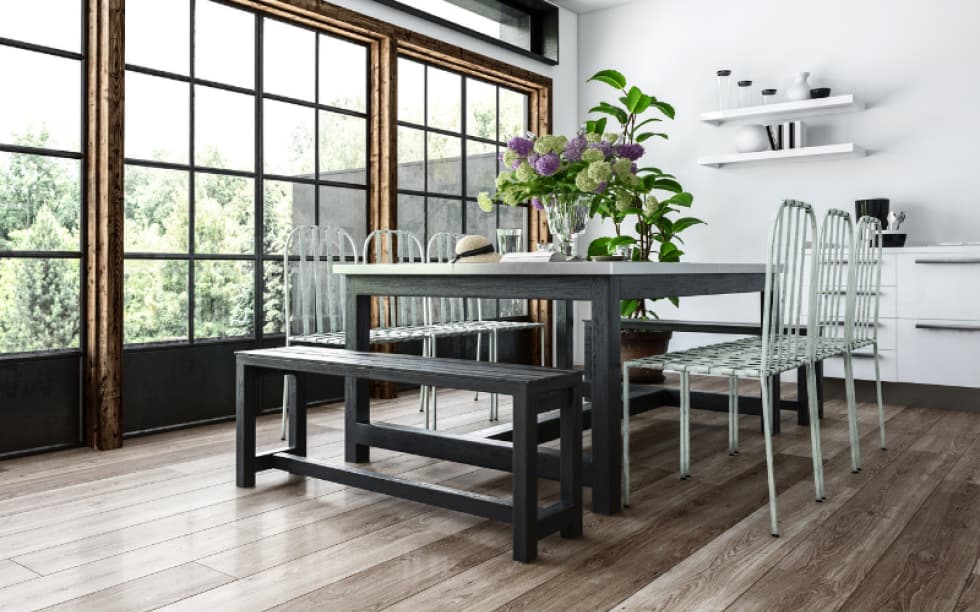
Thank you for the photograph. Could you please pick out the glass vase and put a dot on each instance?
(567, 219)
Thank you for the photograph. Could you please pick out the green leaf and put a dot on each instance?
(686, 222)
(651, 170)
(613, 78)
(676, 301)
(663, 184)
(628, 307)
(633, 98)
(600, 125)
(665, 108)
(643, 105)
(646, 121)
(609, 109)
(669, 252)
(648, 135)
(599, 246)
(681, 199)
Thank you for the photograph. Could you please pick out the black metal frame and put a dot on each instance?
(520, 456)
(258, 256)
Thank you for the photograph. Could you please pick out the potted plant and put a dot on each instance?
(656, 221)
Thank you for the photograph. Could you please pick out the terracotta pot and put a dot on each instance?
(637, 344)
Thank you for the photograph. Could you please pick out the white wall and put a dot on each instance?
(913, 62)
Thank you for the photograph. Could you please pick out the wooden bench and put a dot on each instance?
(533, 390)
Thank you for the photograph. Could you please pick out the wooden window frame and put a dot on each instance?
(104, 208)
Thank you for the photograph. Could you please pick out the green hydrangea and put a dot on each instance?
(624, 200)
(650, 205)
(503, 178)
(622, 168)
(592, 155)
(611, 138)
(559, 144)
(600, 171)
(585, 183)
(509, 158)
(511, 198)
(484, 202)
(525, 172)
(593, 137)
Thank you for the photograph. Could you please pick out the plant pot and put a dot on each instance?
(637, 344)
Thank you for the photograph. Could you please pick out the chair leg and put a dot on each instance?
(767, 434)
(852, 412)
(815, 446)
(881, 406)
(735, 415)
(626, 435)
(685, 426)
(285, 406)
(732, 415)
(479, 348)
(434, 395)
(422, 389)
(494, 342)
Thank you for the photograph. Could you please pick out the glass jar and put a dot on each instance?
(768, 96)
(724, 89)
(745, 96)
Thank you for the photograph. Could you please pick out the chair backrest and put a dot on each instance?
(442, 249)
(832, 283)
(313, 293)
(391, 247)
(865, 279)
(782, 320)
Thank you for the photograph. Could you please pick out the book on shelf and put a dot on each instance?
(532, 257)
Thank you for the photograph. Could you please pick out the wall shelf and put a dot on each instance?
(848, 149)
(785, 111)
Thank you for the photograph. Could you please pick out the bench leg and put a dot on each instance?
(571, 461)
(297, 415)
(246, 400)
(525, 480)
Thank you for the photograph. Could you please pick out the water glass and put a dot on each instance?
(510, 241)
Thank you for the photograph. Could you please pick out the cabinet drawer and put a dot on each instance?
(939, 287)
(864, 366)
(887, 302)
(938, 352)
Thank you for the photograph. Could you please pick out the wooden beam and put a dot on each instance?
(104, 225)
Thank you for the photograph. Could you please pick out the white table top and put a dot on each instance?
(570, 268)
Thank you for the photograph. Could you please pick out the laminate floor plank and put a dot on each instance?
(12, 573)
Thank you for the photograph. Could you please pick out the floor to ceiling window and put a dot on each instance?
(41, 232)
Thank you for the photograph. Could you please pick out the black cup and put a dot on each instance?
(873, 207)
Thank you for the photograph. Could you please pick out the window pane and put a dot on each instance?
(273, 306)
(515, 217)
(40, 206)
(343, 148)
(411, 215)
(481, 109)
(32, 115)
(223, 214)
(224, 44)
(480, 222)
(39, 304)
(289, 60)
(223, 299)
(444, 102)
(513, 114)
(286, 205)
(444, 169)
(411, 91)
(224, 129)
(411, 159)
(155, 301)
(52, 23)
(443, 216)
(158, 35)
(288, 139)
(346, 208)
(157, 118)
(481, 167)
(156, 210)
(343, 74)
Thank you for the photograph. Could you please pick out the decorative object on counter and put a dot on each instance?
(724, 78)
(510, 240)
(872, 207)
(775, 135)
(608, 258)
(745, 98)
(567, 219)
(752, 138)
(895, 220)
(791, 135)
(800, 89)
(891, 237)
(820, 92)
(475, 248)
(768, 96)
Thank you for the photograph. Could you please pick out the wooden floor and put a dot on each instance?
(160, 524)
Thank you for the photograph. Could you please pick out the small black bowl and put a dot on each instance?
(893, 239)
(820, 92)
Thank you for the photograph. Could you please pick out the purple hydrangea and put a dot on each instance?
(602, 187)
(629, 151)
(533, 159)
(547, 165)
(536, 202)
(516, 164)
(634, 168)
(521, 146)
(574, 148)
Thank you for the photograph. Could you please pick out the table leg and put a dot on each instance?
(525, 480)
(607, 461)
(570, 478)
(357, 400)
(297, 416)
(564, 334)
(246, 401)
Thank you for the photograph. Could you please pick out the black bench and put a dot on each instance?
(533, 390)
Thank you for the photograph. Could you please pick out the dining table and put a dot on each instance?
(601, 284)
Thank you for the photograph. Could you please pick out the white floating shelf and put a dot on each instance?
(848, 149)
(785, 111)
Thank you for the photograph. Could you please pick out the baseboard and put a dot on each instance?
(907, 394)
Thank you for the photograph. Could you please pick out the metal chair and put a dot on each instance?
(784, 346)
(455, 313)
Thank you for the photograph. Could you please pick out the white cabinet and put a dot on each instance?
(929, 319)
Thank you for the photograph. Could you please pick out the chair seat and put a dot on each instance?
(460, 328)
(377, 335)
(736, 358)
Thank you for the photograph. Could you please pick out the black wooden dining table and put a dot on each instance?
(601, 284)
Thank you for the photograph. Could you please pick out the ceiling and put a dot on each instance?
(584, 6)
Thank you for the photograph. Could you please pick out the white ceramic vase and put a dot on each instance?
(751, 139)
(800, 89)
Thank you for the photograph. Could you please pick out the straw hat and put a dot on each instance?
(475, 249)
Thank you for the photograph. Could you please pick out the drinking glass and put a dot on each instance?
(510, 241)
